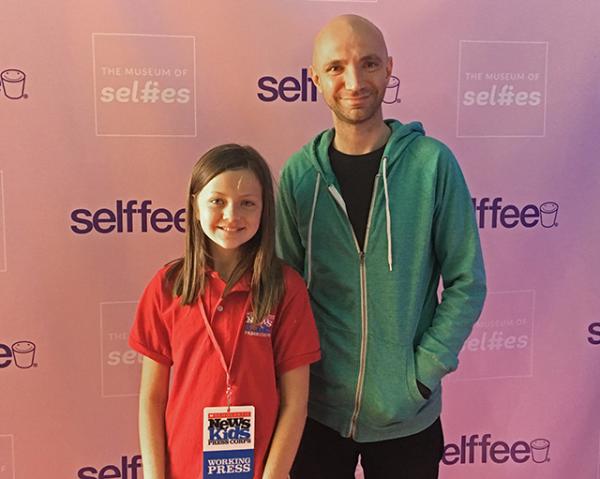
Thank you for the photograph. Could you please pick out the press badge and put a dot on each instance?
(228, 442)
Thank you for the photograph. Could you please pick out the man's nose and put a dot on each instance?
(353, 78)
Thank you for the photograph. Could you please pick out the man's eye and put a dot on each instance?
(334, 69)
(372, 65)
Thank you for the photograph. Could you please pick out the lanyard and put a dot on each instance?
(217, 346)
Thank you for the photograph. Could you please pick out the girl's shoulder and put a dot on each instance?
(291, 279)
(163, 281)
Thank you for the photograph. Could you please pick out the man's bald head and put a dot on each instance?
(351, 69)
(347, 28)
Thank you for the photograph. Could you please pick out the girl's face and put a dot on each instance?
(229, 208)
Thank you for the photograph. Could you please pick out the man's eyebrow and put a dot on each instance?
(372, 56)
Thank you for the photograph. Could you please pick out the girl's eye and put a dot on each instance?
(216, 201)
(248, 203)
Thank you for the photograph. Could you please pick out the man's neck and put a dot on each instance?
(360, 138)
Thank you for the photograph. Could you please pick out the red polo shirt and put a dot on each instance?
(176, 336)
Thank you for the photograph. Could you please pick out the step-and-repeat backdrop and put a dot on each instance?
(105, 106)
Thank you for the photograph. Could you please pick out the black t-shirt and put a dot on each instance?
(356, 176)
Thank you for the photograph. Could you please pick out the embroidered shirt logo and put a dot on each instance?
(258, 329)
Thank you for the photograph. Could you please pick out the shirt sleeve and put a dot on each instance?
(458, 249)
(296, 341)
(289, 244)
(150, 335)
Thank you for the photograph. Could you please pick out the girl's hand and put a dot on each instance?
(293, 387)
(154, 390)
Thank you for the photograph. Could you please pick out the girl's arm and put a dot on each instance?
(293, 388)
(154, 391)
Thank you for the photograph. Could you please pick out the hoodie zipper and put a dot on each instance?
(363, 301)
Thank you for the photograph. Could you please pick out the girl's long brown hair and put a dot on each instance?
(187, 274)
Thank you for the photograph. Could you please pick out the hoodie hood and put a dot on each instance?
(318, 153)
(318, 149)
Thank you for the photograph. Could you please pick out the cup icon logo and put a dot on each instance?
(539, 450)
(13, 83)
(23, 354)
(548, 214)
(392, 91)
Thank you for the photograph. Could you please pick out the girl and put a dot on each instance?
(227, 335)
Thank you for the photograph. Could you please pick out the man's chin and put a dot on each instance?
(356, 117)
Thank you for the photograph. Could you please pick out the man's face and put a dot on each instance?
(351, 69)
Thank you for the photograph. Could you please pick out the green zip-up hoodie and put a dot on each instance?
(381, 325)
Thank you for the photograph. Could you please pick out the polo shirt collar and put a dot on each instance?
(243, 284)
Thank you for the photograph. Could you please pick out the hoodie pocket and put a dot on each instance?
(411, 378)
(390, 394)
(333, 378)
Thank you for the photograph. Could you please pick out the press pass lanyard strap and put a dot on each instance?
(217, 346)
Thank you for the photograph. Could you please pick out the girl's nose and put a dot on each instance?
(230, 211)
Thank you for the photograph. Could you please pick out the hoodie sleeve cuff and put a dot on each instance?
(428, 370)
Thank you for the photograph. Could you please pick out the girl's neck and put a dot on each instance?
(225, 261)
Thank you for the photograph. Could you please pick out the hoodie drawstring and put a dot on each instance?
(388, 222)
(388, 219)
(310, 228)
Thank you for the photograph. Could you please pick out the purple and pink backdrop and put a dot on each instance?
(105, 108)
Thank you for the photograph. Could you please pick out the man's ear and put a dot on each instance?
(389, 67)
(315, 78)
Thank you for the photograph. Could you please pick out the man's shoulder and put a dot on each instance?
(299, 164)
(299, 158)
(430, 153)
(429, 146)
(297, 168)
(410, 139)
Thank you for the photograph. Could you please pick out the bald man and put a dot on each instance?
(373, 213)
